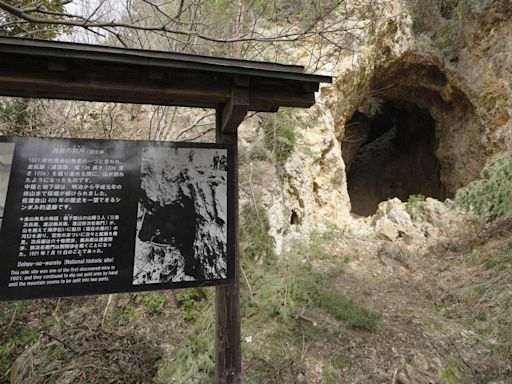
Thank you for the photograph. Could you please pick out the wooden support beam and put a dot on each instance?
(62, 85)
(228, 352)
(57, 65)
(235, 109)
(62, 78)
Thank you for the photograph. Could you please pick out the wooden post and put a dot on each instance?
(228, 354)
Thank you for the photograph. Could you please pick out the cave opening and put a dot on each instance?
(391, 153)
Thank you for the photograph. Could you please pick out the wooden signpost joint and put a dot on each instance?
(235, 109)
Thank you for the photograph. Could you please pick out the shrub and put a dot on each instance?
(254, 152)
(279, 131)
(193, 360)
(491, 195)
(189, 300)
(154, 302)
(255, 241)
(285, 291)
(19, 116)
(415, 206)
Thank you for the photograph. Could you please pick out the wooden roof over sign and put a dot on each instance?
(61, 70)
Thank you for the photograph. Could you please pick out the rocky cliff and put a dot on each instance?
(433, 76)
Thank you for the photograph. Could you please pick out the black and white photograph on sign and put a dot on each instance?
(6, 155)
(182, 216)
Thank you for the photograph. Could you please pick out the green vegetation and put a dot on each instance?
(279, 131)
(284, 302)
(19, 328)
(451, 371)
(189, 299)
(19, 116)
(153, 302)
(415, 206)
(491, 195)
(128, 314)
(500, 261)
(193, 360)
(333, 375)
(320, 243)
(482, 300)
(255, 242)
(279, 138)
(353, 314)
(255, 152)
(288, 305)
(40, 31)
(287, 302)
(295, 286)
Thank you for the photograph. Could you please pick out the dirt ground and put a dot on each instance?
(446, 309)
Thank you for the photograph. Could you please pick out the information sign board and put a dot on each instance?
(80, 217)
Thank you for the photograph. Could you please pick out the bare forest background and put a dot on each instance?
(263, 30)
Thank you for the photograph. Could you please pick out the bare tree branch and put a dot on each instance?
(194, 124)
(242, 29)
(65, 19)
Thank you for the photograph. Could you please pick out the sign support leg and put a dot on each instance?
(228, 354)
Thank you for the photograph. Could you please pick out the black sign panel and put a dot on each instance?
(80, 217)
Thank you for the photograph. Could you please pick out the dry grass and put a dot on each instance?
(480, 293)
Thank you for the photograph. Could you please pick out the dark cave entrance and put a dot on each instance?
(391, 154)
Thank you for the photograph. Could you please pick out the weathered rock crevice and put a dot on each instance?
(396, 159)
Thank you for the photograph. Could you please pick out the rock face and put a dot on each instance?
(448, 62)
(357, 131)
(410, 222)
(391, 221)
